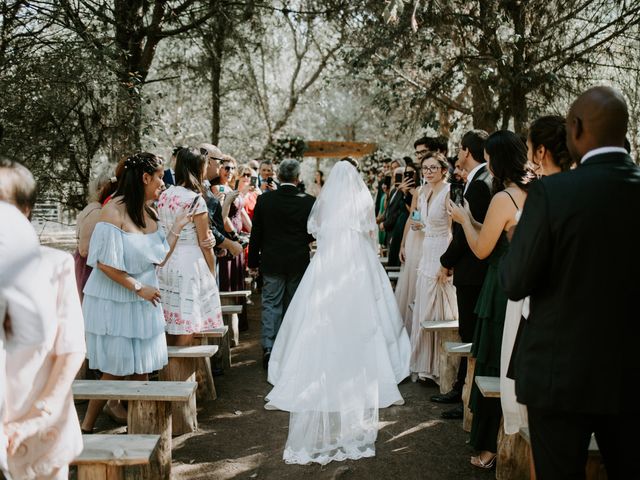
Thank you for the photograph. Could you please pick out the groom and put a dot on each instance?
(279, 248)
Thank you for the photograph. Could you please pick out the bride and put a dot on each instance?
(342, 348)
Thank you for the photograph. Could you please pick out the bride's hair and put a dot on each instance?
(351, 161)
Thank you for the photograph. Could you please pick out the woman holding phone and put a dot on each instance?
(190, 297)
(506, 156)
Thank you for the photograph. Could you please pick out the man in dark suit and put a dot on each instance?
(279, 248)
(468, 270)
(396, 215)
(575, 252)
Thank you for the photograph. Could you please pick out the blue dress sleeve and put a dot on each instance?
(106, 246)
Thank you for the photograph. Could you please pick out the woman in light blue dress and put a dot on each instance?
(124, 322)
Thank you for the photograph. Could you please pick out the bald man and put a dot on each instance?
(575, 252)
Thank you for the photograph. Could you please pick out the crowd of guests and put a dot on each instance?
(157, 245)
(451, 230)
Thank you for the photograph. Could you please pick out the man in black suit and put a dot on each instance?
(468, 270)
(575, 253)
(279, 248)
(396, 215)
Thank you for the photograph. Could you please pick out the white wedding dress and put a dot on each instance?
(342, 347)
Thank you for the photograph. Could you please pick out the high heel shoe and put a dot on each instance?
(478, 462)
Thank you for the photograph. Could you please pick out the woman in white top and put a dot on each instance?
(190, 297)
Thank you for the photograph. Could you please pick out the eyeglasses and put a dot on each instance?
(431, 169)
(421, 153)
(247, 175)
(228, 168)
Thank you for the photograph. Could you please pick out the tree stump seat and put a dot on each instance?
(182, 367)
(105, 456)
(220, 337)
(148, 412)
(230, 318)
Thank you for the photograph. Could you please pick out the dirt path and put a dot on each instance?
(239, 439)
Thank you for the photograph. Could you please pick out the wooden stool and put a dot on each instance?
(464, 350)
(207, 389)
(446, 331)
(182, 368)
(105, 456)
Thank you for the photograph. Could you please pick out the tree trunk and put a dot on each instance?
(215, 63)
(519, 81)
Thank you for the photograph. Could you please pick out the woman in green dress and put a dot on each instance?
(506, 156)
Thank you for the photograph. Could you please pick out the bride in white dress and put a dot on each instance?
(342, 348)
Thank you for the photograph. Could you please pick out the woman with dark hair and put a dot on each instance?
(318, 182)
(124, 323)
(547, 152)
(547, 145)
(506, 156)
(190, 297)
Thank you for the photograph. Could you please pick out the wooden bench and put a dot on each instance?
(595, 469)
(489, 386)
(460, 349)
(445, 331)
(220, 335)
(393, 268)
(148, 411)
(104, 457)
(513, 457)
(393, 276)
(236, 293)
(230, 318)
(182, 368)
(384, 260)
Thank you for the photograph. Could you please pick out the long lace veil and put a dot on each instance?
(344, 203)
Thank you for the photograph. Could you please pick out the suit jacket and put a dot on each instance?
(394, 208)
(467, 268)
(575, 252)
(169, 177)
(279, 241)
(215, 215)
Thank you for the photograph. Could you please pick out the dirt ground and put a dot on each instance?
(239, 439)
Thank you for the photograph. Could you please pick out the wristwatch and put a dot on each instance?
(137, 286)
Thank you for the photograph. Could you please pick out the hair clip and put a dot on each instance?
(113, 179)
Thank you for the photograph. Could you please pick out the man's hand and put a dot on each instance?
(234, 248)
(254, 272)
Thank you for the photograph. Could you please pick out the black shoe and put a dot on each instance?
(454, 396)
(265, 358)
(454, 414)
(427, 382)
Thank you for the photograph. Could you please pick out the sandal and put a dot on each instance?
(478, 462)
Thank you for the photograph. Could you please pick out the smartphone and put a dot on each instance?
(409, 174)
(237, 184)
(415, 216)
(254, 181)
(221, 188)
(270, 180)
(397, 178)
(457, 193)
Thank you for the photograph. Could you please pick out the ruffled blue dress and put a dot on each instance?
(124, 333)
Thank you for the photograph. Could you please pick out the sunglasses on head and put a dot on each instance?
(205, 152)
